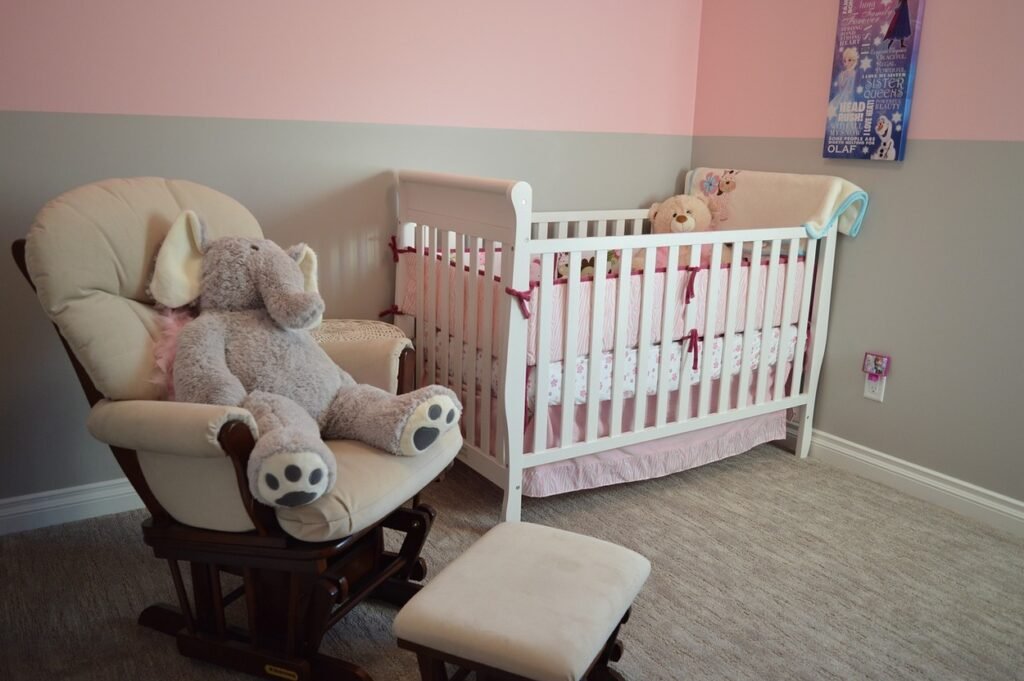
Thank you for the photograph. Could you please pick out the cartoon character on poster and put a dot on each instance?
(885, 151)
(844, 99)
(899, 28)
(872, 79)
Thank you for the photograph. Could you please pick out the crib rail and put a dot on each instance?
(575, 224)
(478, 246)
(636, 242)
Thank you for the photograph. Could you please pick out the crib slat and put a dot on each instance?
(668, 322)
(731, 317)
(473, 311)
(805, 315)
(458, 325)
(710, 327)
(685, 356)
(624, 283)
(563, 229)
(432, 302)
(595, 357)
(444, 306)
(620, 227)
(792, 254)
(750, 316)
(644, 339)
(421, 299)
(768, 322)
(505, 439)
(542, 365)
(487, 349)
(572, 322)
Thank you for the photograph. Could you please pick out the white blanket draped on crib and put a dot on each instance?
(747, 199)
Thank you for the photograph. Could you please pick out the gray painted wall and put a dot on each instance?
(324, 183)
(935, 279)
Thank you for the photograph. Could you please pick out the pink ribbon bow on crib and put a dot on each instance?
(523, 298)
(395, 250)
(691, 293)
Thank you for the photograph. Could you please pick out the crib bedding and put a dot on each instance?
(490, 293)
(654, 458)
(679, 358)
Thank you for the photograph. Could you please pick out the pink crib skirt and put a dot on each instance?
(655, 458)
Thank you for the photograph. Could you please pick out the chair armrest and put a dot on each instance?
(179, 428)
(369, 351)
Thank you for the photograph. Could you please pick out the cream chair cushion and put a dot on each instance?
(203, 492)
(527, 599)
(90, 254)
(371, 484)
(195, 481)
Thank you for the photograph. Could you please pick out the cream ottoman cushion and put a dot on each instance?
(527, 599)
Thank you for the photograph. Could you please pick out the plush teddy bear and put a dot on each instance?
(680, 213)
(250, 346)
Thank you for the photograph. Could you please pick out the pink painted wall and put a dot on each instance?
(765, 67)
(581, 65)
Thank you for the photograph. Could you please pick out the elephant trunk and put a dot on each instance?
(285, 296)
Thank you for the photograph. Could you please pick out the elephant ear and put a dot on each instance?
(179, 264)
(306, 257)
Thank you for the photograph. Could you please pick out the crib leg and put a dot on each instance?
(803, 436)
(511, 507)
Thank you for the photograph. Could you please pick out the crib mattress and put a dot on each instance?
(680, 362)
(680, 367)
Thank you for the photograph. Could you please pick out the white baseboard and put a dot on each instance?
(54, 507)
(993, 509)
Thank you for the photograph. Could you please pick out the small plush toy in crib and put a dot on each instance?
(676, 214)
(587, 264)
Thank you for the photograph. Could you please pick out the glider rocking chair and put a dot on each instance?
(89, 256)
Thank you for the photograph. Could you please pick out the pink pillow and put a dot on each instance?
(171, 322)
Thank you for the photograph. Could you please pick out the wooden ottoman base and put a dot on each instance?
(432, 663)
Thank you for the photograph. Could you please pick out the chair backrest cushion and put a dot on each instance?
(90, 254)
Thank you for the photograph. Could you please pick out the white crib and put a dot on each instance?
(476, 244)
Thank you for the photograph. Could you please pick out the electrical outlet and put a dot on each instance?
(874, 390)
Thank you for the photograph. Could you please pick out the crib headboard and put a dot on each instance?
(466, 219)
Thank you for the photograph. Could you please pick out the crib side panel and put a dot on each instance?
(748, 314)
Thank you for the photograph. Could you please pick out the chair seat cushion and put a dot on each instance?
(527, 599)
(370, 485)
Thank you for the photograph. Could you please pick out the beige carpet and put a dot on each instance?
(764, 567)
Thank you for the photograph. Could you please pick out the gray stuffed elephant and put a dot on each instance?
(250, 347)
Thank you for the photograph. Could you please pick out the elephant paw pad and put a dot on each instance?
(292, 479)
(434, 417)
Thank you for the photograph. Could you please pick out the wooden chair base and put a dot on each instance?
(433, 663)
(292, 594)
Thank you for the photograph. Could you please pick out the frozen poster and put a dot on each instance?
(872, 79)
